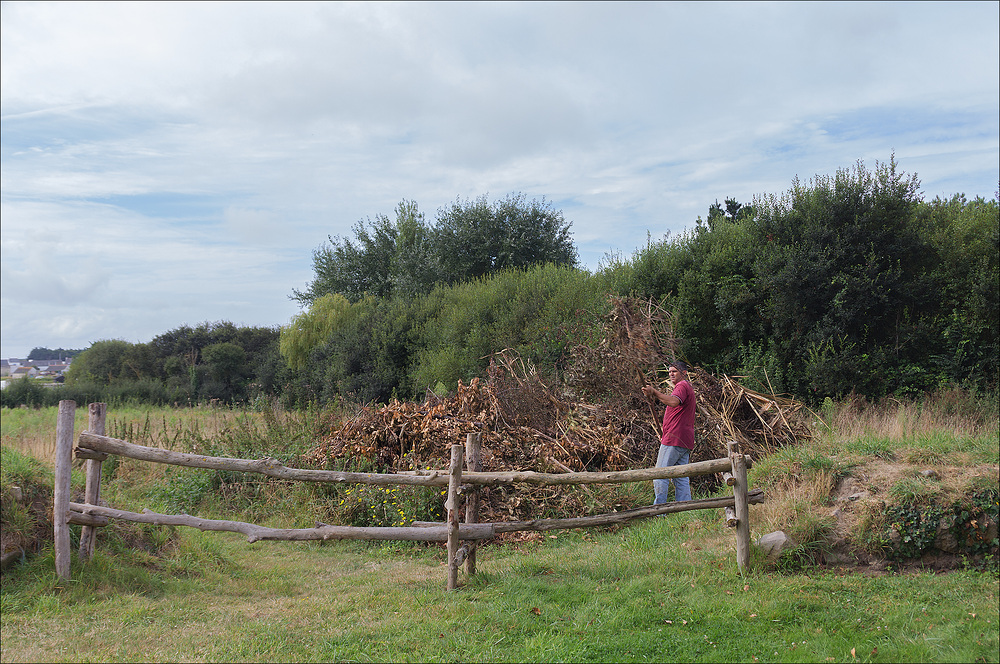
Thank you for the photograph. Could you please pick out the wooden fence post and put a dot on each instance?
(742, 506)
(61, 488)
(97, 414)
(472, 463)
(454, 483)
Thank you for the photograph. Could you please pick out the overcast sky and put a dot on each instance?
(169, 164)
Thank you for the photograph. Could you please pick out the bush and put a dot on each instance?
(23, 392)
(366, 505)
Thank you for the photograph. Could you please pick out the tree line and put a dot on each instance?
(845, 283)
(188, 365)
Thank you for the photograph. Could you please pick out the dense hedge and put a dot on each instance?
(849, 283)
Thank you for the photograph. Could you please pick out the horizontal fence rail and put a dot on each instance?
(90, 443)
(96, 515)
(95, 448)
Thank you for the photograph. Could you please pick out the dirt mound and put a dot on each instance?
(944, 534)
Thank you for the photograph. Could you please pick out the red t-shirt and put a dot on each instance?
(678, 421)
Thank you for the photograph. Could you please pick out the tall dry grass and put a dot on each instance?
(798, 505)
(958, 412)
(33, 430)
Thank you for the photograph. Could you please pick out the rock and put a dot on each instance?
(991, 528)
(18, 495)
(776, 543)
(946, 540)
(858, 496)
(11, 557)
(895, 537)
(930, 474)
(835, 512)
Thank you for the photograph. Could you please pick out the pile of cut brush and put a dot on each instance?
(597, 419)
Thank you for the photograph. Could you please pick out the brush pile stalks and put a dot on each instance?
(594, 419)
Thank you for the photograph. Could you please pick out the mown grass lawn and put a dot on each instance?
(663, 590)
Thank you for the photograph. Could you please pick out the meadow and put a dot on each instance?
(665, 589)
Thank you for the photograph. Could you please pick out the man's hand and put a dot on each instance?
(668, 399)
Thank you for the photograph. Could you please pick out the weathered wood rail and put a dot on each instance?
(461, 537)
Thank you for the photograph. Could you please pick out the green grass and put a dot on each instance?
(665, 589)
(873, 447)
(662, 590)
(914, 490)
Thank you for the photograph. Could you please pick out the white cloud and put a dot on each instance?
(252, 226)
(198, 152)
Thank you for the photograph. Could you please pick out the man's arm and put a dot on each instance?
(662, 397)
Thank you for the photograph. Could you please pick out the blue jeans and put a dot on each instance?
(671, 455)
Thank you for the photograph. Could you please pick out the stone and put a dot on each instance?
(858, 496)
(776, 543)
(930, 474)
(946, 540)
(991, 529)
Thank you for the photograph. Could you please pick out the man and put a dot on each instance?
(678, 431)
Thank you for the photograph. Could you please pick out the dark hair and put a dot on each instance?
(680, 365)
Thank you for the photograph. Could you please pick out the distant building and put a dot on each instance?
(17, 367)
(51, 368)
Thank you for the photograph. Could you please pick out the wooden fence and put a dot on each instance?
(461, 537)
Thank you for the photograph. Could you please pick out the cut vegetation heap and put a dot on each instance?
(594, 419)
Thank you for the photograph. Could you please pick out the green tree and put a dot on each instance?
(965, 236)
(534, 311)
(103, 362)
(415, 266)
(842, 273)
(474, 238)
(24, 391)
(846, 282)
(227, 364)
(40, 353)
(374, 262)
(313, 327)
(408, 257)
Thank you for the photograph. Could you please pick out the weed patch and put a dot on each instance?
(881, 448)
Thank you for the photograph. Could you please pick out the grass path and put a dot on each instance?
(665, 590)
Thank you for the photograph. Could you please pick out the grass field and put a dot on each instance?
(666, 589)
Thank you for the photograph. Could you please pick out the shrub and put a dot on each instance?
(367, 505)
(23, 392)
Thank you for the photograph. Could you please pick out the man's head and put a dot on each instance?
(678, 371)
